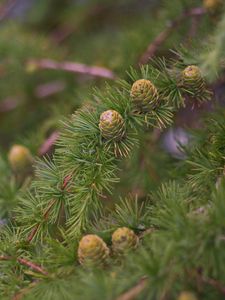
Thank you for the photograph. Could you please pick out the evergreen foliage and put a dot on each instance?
(75, 226)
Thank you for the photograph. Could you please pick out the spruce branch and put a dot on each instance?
(161, 38)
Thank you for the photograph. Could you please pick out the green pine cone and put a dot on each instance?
(123, 240)
(187, 296)
(92, 251)
(20, 158)
(144, 95)
(193, 81)
(112, 125)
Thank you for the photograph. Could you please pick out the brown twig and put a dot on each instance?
(134, 292)
(217, 285)
(6, 8)
(46, 214)
(72, 67)
(8, 104)
(48, 143)
(36, 227)
(49, 89)
(27, 263)
(160, 39)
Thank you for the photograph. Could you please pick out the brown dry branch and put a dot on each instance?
(6, 8)
(72, 67)
(161, 38)
(217, 285)
(135, 291)
(48, 143)
(50, 88)
(8, 104)
(27, 263)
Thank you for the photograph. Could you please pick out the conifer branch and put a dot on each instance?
(161, 38)
(72, 67)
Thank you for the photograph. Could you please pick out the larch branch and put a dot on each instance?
(160, 39)
(72, 67)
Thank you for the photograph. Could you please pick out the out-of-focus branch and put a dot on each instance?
(73, 67)
(5, 8)
(161, 38)
(135, 291)
(50, 88)
(8, 104)
(48, 143)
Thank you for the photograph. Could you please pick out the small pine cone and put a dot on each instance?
(112, 125)
(187, 296)
(213, 6)
(92, 250)
(20, 158)
(124, 239)
(144, 95)
(193, 81)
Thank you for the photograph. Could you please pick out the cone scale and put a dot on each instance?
(144, 95)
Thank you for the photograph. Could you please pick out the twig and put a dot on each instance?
(48, 143)
(134, 291)
(6, 8)
(20, 295)
(36, 227)
(46, 214)
(72, 67)
(160, 39)
(212, 282)
(49, 89)
(27, 263)
(8, 104)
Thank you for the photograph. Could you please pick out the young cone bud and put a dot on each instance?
(124, 239)
(187, 296)
(144, 95)
(20, 158)
(213, 6)
(92, 250)
(193, 81)
(112, 125)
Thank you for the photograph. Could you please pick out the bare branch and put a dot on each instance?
(48, 143)
(27, 263)
(134, 291)
(72, 67)
(160, 39)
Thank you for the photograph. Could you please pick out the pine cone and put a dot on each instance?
(92, 250)
(193, 81)
(112, 125)
(144, 95)
(124, 239)
(20, 158)
(213, 6)
(187, 296)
